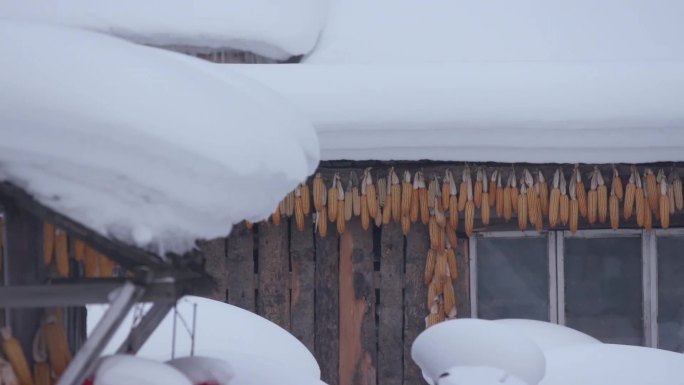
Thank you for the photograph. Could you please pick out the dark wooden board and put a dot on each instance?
(273, 302)
(302, 250)
(415, 294)
(391, 329)
(357, 307)
(462, 282)
(215, 263)
(240, 268)
(327, 330)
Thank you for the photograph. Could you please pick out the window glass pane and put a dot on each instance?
(603, 288)
(513, 278)
(671, 293)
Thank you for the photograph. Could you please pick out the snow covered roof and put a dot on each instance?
(277, 29)
(538, 112)
(146, 146)
(415, 31)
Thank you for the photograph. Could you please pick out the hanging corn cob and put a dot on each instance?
(451, 235)
(57, 345)
(453, 203)
(415, 195)
(434, 290)
(289, 204)
(332, 198)
(405, 225)
(469, 207)
(616, 185)
(15, 356)
(564, 205)
(514, 191)
(356, 194)
(322, 222)
(592, 198)
(492, 188)
(395, 192)
(446, 188)
(299, 209)
(430, 260)
(433, 188)
(522, 206)
(383, 189)
(671, 197)
(639, 201)
(306, 198)
(48, 242)
(652, 190)
(543, 193)
(387, 205)
(664, 203)
(79, 249)
(508, 199)
(648, 215)
(442, 267)
(463, 190)
(106, 266)
(449, 299)
(433, 232)
(573, 219)
(485, 205)
(581, 193)
(614, 209)
(365, 214)
(499, 196)
(532, 197)
(423, 200)
(602, 197)
(406, 190)
(62, 252)
(479, 182)
(341, 208)
(349, 201)
(678, 196)
(630, 194)
(371, 196)
(451, 261)
(275, 217)
(554, 200)
(91, 263)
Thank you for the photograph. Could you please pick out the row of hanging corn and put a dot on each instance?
(526, 194)
(56, 252)
(51, 354)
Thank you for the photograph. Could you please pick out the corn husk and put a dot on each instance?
(387, 207)
(532, 196)
(423, 201)
(449, 297)
(592, 199)
(383, 189)
(514, 192)
(677, 189)
(371, 197)
(348, 202)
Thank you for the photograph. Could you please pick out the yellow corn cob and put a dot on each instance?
(306, 198)
(48, 242)
(430, 266)
(639, 206)
(671, 198)
(62, 253)
(499, 196)
(630, 194)
(396, 198)
(433, 230)
(442, 267)
(564, 209)
(383, 190)
(477, 193)
(299, 214)
(415, 196)
(433, 292)
(57, 345)
(614, 208)
(91, 263)
(664, 205)
(539, 223)
(648, 215)
(651, 190)
(451, 261)
(522, 208)
(275, 217)
(485, 208)
(341, 222)
(446, 188)
(453, 212)
(617, 185)
(449, 297)
(554, 200)
(332, 199)
(433, 187)
(543, 194)
(581, 194)
(41, 373)
(574, 215)
(387, 214)
(79, 249)
(602, 203)
(378, 217)
(318, 192)
(507, 204)
(451, 236)
(439, 213)
(289, 204)
(493, 188)
(406, 190)
(423, 200)
(348, 203)
(441, 239)
(592, 205)
(405, 224)
(463, 189)
(679, 197)
(371, 196)
(282, 207)
(365, 215)
(356, 194)
(469, 218)
(106, 266)
(514, 193)
(531, 200)
(16, 358)
(387, 208)
(322, 222)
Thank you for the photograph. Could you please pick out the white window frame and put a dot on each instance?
(556, 255)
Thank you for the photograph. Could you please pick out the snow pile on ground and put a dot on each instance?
(502, 112)
(477, 352)
(415, 31)
(277, 29)
(146, 146)
(122, 369)
(257, 350)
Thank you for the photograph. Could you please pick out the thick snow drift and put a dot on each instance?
(473, 343)
(123, 369)
(254, 347)
(273, 28)
(415, 31)
(150, 147)
(599, 112)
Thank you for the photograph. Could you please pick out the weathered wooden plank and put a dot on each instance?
(274, 269)
(391, 328)
(415, 293)
(23, 265)
(215, 254)
(462, 282)
(240, 268)
(327, 306)
(357, 307)
(302, 252)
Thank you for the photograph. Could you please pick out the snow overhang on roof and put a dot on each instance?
(277, 29)
(145, 146)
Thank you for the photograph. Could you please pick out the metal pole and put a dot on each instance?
(84, 362)
(194, 322)
(173, 335)
(144, 329)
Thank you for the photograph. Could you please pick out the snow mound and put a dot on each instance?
(476, 342)
(250, 344)
(477, 375)
(204, 370)
(548, 335)
(123, 369)
(537, 112)
(277, 29)
(415, 31)
(153, 148)
(601, 364)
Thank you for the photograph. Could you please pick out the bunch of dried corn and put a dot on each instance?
(647, 213)
(514, 191)
(639, 195)
(581, 193)
(446, 188)
(469, 207)
(554, 200)
(493, 188)
(616, 185)
(664, 203)
(15, 355)
(499, 196)
(477, 193)
(630, 193)
(573, 219)
(564, 205)
(651, 189)
(522, 206)
(614, 209)
(485, 205)
(592, 199)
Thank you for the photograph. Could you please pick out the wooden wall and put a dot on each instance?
(357, 301)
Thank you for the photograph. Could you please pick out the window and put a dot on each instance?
(670, 289)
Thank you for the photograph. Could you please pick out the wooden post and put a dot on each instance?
(415, 292)
(327, 338)
(274, 297)
(23, 265)
(391, 330)
(239, 267)
(302, 304)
